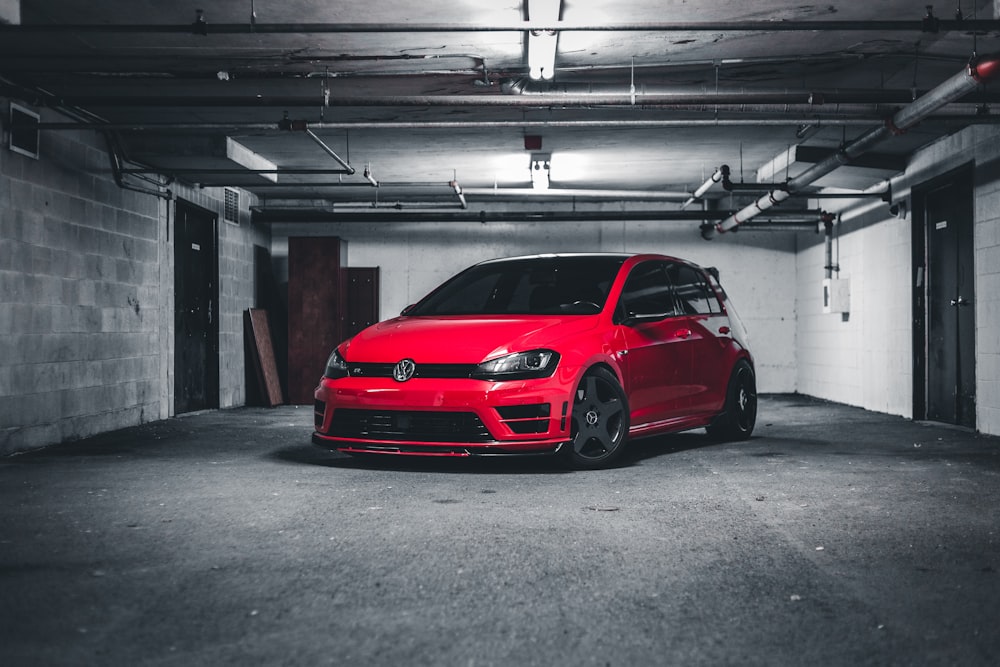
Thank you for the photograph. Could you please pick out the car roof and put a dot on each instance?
(618, 255)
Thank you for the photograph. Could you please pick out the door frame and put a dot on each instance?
(919, 282)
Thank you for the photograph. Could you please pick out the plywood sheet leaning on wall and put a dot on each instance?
(258, 333)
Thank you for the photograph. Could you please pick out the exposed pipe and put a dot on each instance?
(114, 154)
(978, 71)
(329, 151)
(557, 193)
(781, 225)
(368, 175)
(808, 219)
(797, 102)
(240, 171)
(512, 124)
(459, 193)
(721, 174)
(397, 205)
(828, 248)
(687, 94)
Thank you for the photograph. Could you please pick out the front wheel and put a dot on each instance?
(740, 412)
(600, 421)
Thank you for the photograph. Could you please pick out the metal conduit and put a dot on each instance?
(978, 71)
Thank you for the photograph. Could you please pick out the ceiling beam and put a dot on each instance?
(926, 24)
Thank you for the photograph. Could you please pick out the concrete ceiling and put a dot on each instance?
(648, 98)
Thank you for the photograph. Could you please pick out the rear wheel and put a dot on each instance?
(740, 412)
(599, 425)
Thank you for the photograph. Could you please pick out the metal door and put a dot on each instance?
(951, 317)
(196, 338)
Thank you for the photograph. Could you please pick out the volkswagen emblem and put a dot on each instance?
(404, 370)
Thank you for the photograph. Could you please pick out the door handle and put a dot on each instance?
(723, 330)
(960, 302)
(683, 333)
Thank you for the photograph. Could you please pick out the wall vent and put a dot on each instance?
(232, 212)
(23, 130)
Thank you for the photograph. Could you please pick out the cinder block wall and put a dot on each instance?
(86, 295)
(867, 359)
(757, 268)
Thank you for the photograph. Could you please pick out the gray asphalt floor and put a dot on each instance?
(835, 536)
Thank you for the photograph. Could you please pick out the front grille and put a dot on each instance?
(445, 371)
(408, 426)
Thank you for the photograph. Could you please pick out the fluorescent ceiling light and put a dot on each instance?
(542, 43)
(539, 171)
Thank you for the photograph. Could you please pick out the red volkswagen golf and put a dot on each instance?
(552, 354)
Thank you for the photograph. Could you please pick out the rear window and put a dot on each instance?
(530, 286)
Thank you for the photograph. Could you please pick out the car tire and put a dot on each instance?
(739, 414)
(599, 421)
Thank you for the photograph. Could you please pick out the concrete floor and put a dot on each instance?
(836, 536)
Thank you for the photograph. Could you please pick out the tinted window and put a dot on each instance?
(531, 286)
(693, 292)
(648, 291)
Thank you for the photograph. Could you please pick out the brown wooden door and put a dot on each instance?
(314, 311)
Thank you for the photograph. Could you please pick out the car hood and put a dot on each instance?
(461, 339)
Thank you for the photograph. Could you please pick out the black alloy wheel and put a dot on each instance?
(600, 421)
(740, 413)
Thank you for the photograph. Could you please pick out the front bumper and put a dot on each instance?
(442, 417)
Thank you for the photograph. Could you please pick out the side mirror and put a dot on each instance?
(638, 318)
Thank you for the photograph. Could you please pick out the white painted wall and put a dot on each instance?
(864, 357)
(757, 268)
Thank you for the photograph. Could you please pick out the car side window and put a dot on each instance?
(648, 291)
(692, 291)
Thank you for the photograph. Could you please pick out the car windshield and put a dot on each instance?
(570, 285)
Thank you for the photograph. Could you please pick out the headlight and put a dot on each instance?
(519, 366)
(336, 367)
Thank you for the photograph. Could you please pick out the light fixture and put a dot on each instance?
(540, 168)
(542, 42)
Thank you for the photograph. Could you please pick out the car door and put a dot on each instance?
(705, 329)
(656, 361)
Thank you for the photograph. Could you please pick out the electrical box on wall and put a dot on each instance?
(836, 295)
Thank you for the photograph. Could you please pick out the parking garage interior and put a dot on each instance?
(197, 204)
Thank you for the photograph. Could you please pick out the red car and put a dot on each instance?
(570, 354)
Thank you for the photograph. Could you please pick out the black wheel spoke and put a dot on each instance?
(598, 419)
(740, 413)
